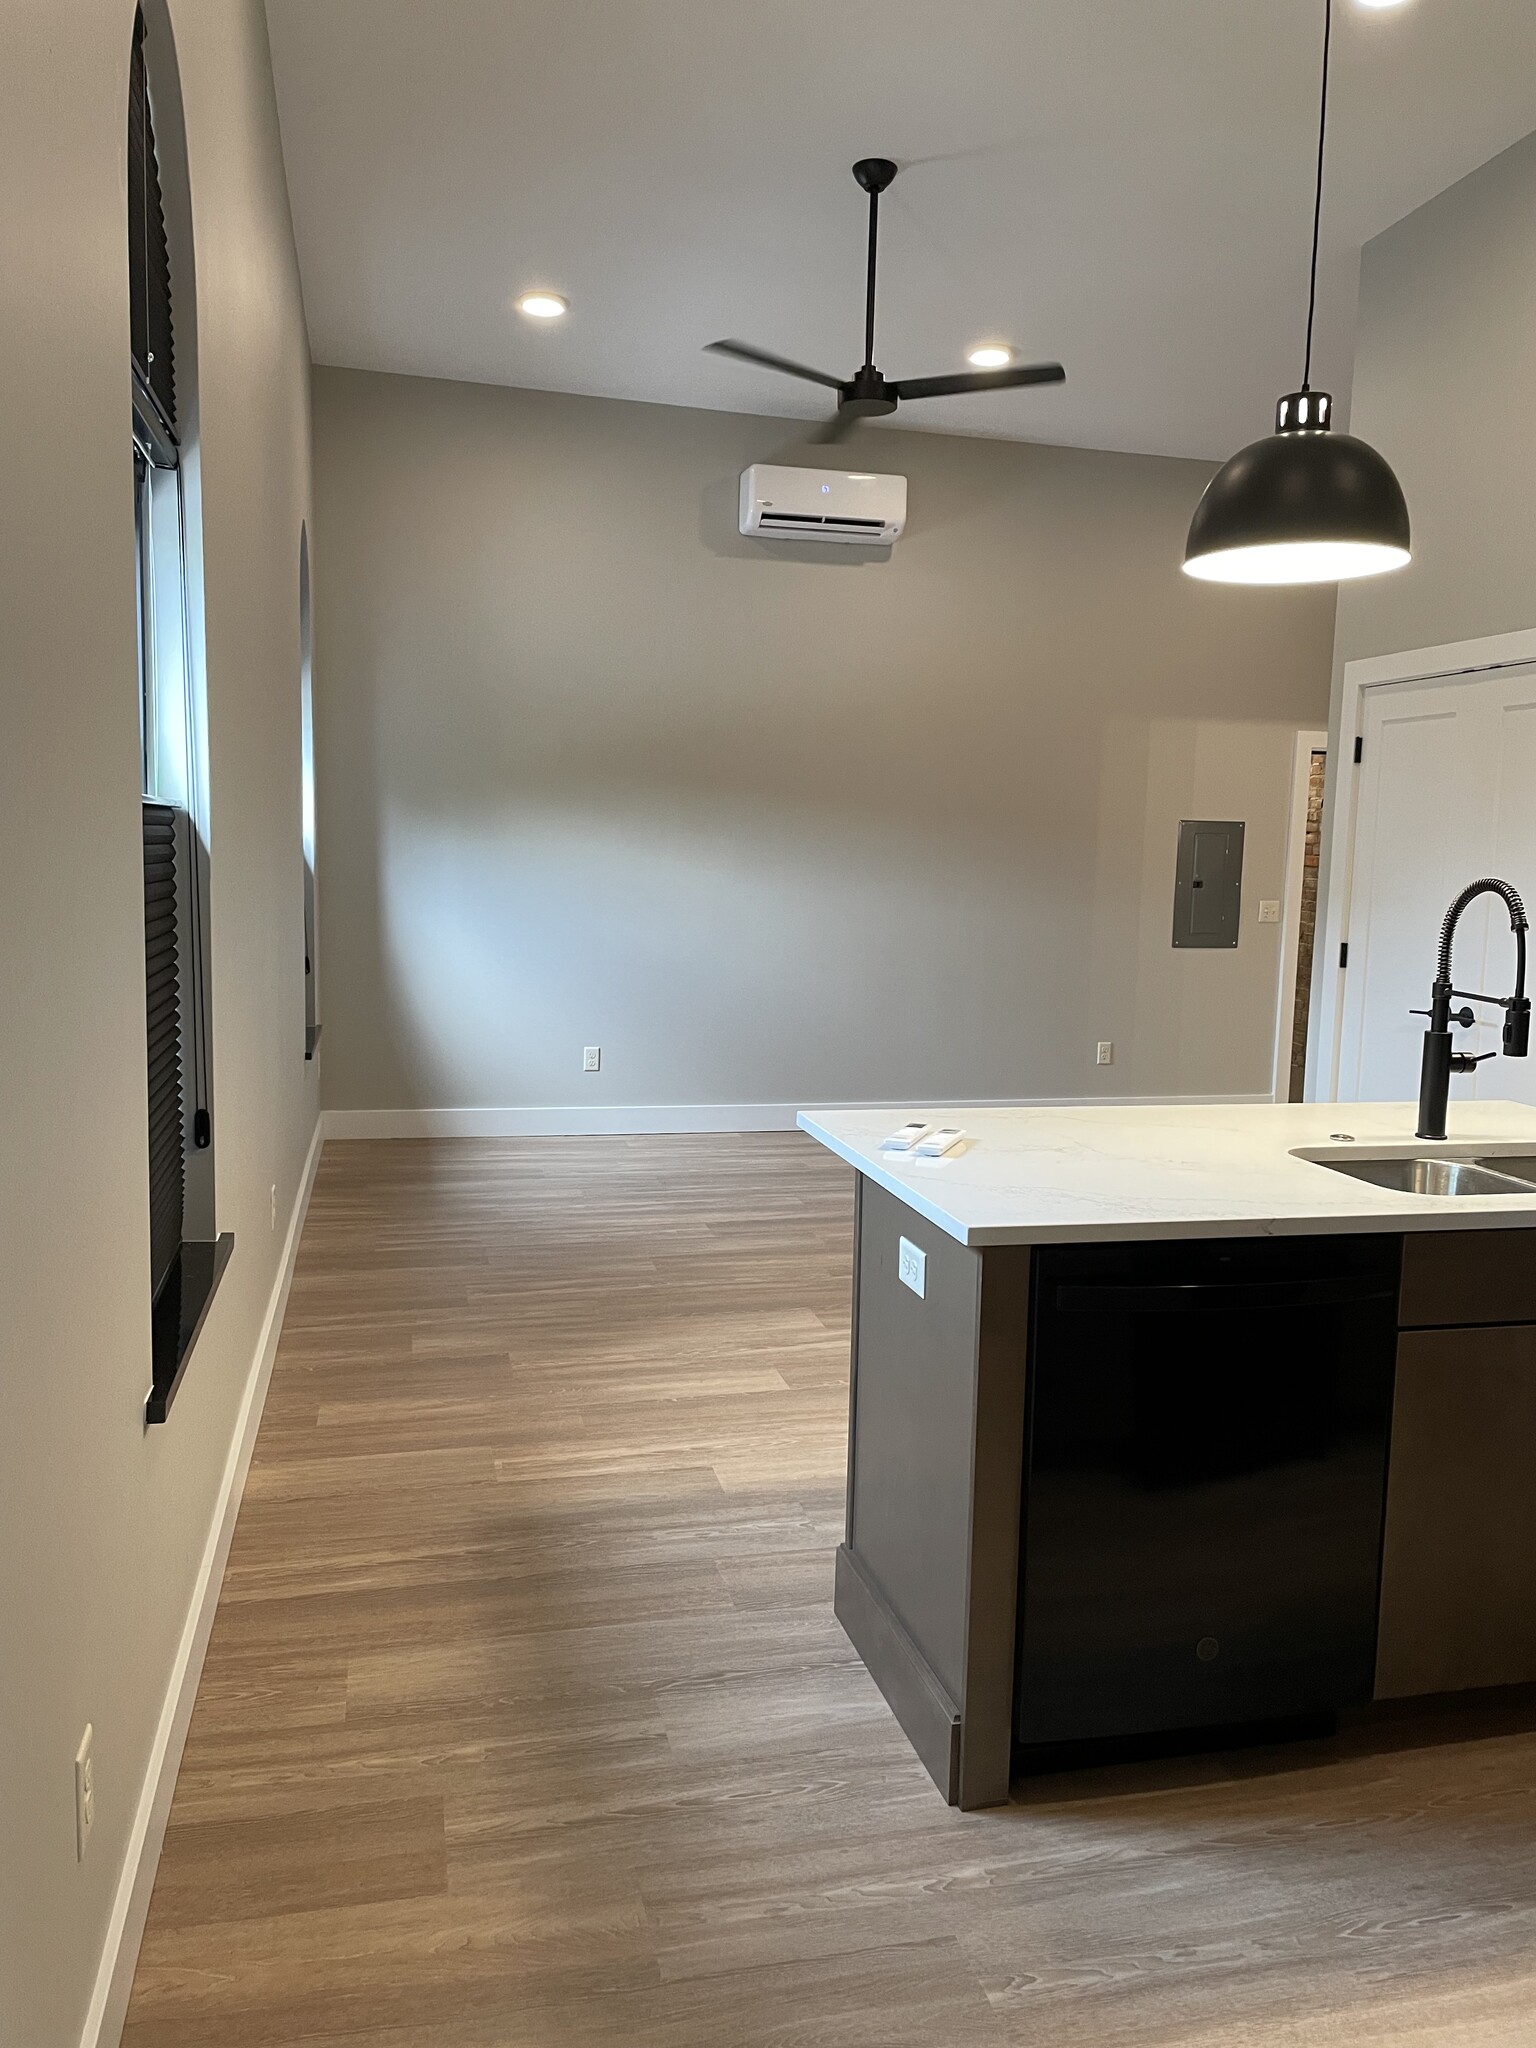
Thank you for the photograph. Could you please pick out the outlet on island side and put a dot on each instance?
(1105, 1056)
(912, 1266)
(85, 1792)
(591, 1059)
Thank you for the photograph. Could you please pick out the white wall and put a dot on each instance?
(774, 824)
(102, 1522)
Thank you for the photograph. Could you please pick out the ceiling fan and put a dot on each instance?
(866, 394)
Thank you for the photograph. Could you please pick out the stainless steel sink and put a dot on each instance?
(1522, 1168)
(1440, 1176)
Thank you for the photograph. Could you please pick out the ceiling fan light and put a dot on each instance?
(990, 355)
(1305, 505)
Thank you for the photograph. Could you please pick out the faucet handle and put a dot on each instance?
(1517, 1027)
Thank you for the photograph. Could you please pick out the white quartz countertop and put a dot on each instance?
(1040, 1176)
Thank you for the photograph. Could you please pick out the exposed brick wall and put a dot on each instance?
(1309, 871)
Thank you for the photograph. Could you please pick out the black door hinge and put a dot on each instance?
(1359, 747)
(1344, 954)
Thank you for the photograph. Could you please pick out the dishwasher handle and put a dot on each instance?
(1215, 1297)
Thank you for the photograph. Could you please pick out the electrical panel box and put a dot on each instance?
(1208, 887)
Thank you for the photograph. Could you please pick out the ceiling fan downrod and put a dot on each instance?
(874, 174)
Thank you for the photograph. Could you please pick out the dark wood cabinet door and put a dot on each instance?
(1468, 1276)
(1458, 1587)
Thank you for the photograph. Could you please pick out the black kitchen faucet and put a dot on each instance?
(1440, 1062)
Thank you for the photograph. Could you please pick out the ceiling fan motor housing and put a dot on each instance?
(866, 396)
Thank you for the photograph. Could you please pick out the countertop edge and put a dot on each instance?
(1415, 1215)
(904, 1193)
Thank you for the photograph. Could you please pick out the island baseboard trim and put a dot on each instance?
(624, 1120)
(928, 1717)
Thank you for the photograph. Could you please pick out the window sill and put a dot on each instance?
(312, 1039)
(179, 1316)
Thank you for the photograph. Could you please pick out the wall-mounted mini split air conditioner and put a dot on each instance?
(822, 504)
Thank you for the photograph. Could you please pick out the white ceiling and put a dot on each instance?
(1123, 184)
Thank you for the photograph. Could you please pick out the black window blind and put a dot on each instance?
(149, 259)
(167, 1177)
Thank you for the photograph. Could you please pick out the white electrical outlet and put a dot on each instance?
(912, 1266)
(591, 1059)
(1269, 910)
(274, 1205)
(85, 1792)
(1105, 1056)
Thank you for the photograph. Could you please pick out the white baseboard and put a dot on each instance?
(654, 1119)
(130, 1908)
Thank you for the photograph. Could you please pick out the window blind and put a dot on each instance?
(167, 1175)
(149, 259)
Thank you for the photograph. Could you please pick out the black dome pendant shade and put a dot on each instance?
(1306, 505)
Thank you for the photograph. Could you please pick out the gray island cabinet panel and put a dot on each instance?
(1458, 1580)
(1468, 1276)
(927, 1578)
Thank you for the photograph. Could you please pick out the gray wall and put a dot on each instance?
(1445, 386)
(102, 1522)
(774, 824)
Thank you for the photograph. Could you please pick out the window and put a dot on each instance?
(186, 1255)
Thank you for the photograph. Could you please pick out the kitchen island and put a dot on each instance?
(1173, 1418)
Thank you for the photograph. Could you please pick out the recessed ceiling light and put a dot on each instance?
(991, 355)
(1379, 3)
(542, 305)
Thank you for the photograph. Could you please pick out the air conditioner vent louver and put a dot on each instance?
(864, 528)
(822, 504)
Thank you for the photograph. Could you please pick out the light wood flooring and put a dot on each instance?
(526, 1722)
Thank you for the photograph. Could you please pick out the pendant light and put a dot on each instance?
(1306, 505)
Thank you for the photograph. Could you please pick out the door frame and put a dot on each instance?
(1307, 744)
(1454, 661)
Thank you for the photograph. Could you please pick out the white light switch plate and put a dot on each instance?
(912, 1267)
(1269, 910)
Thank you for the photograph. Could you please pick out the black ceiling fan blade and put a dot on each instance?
(978, 380)
(765, 359)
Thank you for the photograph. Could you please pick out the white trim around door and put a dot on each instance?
(1469, 659)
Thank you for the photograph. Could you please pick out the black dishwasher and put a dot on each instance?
(1205, 1474)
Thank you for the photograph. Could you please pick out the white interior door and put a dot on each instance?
(1447, 794)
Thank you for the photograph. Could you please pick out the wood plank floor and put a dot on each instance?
(526, 1722)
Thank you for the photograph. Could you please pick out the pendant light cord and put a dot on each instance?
(1317, 208)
